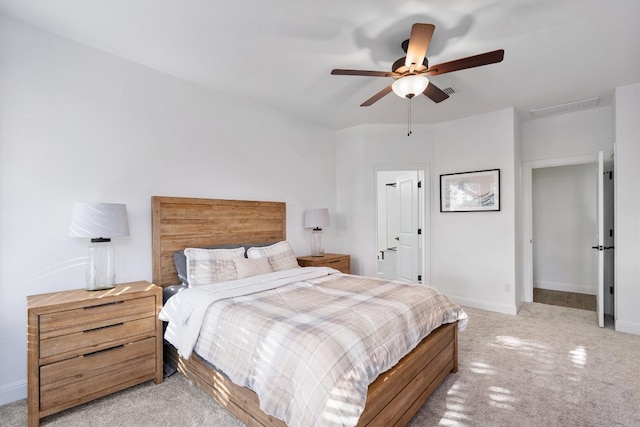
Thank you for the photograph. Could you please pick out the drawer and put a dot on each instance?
(85, 377)
(95, 316)
(95, 339)
(341, 264)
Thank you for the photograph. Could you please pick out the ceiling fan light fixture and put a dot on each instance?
(410, 86)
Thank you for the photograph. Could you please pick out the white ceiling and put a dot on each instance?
(280, 52)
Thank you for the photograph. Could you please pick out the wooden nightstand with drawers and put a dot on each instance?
(337, 261)
(82, 345)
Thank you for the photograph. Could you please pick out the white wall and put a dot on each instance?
(473, 252)
(519, 213)
(77, 124)
(568, 135)
(627, 208)
(350, 178)
(470, 254)
(565, 228)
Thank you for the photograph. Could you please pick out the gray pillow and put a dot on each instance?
(255, 245)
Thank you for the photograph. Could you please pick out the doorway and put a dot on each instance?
(568, 217)
(400, 219)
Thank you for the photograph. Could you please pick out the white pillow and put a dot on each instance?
(251, 267)
(280, 255)
(205, 266)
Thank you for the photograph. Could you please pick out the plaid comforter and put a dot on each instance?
(308, 344)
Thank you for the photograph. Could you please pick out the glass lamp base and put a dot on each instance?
(101, 269)
(317, 247)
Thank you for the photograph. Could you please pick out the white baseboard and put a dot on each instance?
(484, 305)
(11, 392)
(565, 287)
(628, 327)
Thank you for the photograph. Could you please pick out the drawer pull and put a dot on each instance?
(93, 353)
(103, 305)
(334, 261)
(104, 327)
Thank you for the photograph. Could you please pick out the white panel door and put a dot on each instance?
(408, 237)
(600, 246)
(609, 241)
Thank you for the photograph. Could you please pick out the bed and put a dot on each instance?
(178, 223)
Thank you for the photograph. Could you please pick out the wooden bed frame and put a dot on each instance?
(392, 399)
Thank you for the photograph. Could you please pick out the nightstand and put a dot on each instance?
(82, 345)
(337, 261)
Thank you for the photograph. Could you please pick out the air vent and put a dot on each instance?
(565, 108)
(449, 90)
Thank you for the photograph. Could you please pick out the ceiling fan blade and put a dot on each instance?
(468, 62)
(418, 44)
(377, 96)
(339, 72)
(434, 93)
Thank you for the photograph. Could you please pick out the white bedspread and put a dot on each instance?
(308, 341)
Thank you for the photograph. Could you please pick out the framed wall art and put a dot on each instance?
(470, 191)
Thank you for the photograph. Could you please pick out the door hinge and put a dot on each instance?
(419, 184)
(420, 278)
(611, 290)
(419, 230)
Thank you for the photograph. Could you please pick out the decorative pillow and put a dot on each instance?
(180, 261)
(247, 267)
(205, 266)
(280, 255)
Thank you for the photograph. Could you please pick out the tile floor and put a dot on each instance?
(565, 299)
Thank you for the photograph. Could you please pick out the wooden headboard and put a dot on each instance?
(180, 222)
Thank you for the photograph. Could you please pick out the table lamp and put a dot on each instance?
(316, 219)
(100, 222)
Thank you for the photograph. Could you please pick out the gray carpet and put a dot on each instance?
(548, 366)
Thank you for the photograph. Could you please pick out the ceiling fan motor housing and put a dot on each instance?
(400, 67)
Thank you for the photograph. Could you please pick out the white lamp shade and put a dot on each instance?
(316, 218)
(410, 86)
(99, 220)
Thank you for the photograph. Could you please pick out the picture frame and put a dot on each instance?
(475, 191)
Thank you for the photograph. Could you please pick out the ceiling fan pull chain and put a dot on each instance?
(409, 117)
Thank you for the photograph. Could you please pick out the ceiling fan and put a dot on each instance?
(410, 72)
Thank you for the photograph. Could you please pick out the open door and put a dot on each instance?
(600, 246)
(609, 241)
(604, 212)
(407, 268)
